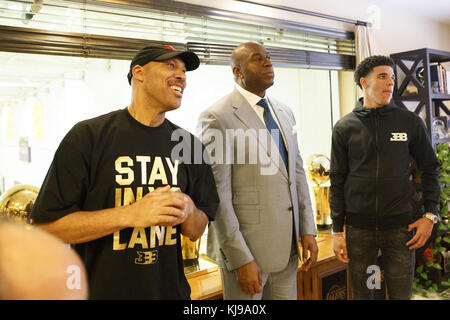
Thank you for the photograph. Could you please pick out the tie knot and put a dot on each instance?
(263, 103)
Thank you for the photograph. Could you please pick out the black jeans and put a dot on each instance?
(398, 261)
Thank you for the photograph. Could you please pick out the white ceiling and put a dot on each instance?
(438, 10)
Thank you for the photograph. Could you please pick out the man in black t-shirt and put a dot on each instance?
(107, 191)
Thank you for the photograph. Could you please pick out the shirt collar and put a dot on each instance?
(251, 98)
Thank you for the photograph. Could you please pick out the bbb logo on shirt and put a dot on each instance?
(399, 136)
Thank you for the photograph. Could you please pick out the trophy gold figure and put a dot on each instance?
(319, 173)
(190, 250)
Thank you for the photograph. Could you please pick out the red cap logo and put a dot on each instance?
(168, 47)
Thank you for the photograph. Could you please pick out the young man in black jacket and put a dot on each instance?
(371, 190)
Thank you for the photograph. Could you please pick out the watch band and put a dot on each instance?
(434, 218)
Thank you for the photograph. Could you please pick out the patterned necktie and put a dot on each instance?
(272, 125)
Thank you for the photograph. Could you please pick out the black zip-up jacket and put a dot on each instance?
(370, 168)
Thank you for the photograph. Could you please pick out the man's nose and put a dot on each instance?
(180, 75)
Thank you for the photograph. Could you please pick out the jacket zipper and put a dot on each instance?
(377, 171)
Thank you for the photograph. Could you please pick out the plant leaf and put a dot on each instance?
(444, 210)
(442, 227)
(437, 266)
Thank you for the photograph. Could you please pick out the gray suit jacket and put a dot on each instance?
(261, 203)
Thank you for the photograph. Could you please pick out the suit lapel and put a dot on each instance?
(245, 112)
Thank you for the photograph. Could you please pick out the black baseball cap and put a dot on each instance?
(161, 53)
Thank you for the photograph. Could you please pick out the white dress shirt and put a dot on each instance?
(253, 99)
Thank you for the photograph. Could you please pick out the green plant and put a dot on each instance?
(423, 282)
(443, 155)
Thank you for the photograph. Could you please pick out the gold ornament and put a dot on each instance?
(319, 172)
(17, 202)
(190, 250)
(319, 168)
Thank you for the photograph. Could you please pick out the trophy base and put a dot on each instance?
(191, 265)
(324, 227)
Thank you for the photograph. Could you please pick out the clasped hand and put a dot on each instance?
(162, 208)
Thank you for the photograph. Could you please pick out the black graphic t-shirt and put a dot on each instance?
(114, 160)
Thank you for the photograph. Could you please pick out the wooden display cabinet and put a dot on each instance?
(327, 279)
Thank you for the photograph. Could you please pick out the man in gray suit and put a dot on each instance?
(264, 198)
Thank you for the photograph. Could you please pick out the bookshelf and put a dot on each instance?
(415, 91)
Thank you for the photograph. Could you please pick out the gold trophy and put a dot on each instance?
(319, 173)
(190, 250)
(16, 203)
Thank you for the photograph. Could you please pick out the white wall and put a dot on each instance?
(401, 32)
(64, 105)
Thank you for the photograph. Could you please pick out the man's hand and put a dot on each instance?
(195, 221)
(424, 228)
(249, 278)
(160, 208)
(309, 245)
(340, 247)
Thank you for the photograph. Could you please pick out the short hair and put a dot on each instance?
(366, 66)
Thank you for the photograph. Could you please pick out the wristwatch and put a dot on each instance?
(434, 218)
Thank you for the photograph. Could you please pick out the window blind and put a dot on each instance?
(117, 29)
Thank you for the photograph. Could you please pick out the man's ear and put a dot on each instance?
(138, 73)
(237, 72)
(364, 83)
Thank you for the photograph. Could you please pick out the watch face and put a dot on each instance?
(432, 217)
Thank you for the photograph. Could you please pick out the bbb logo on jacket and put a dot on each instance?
(399, 136)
